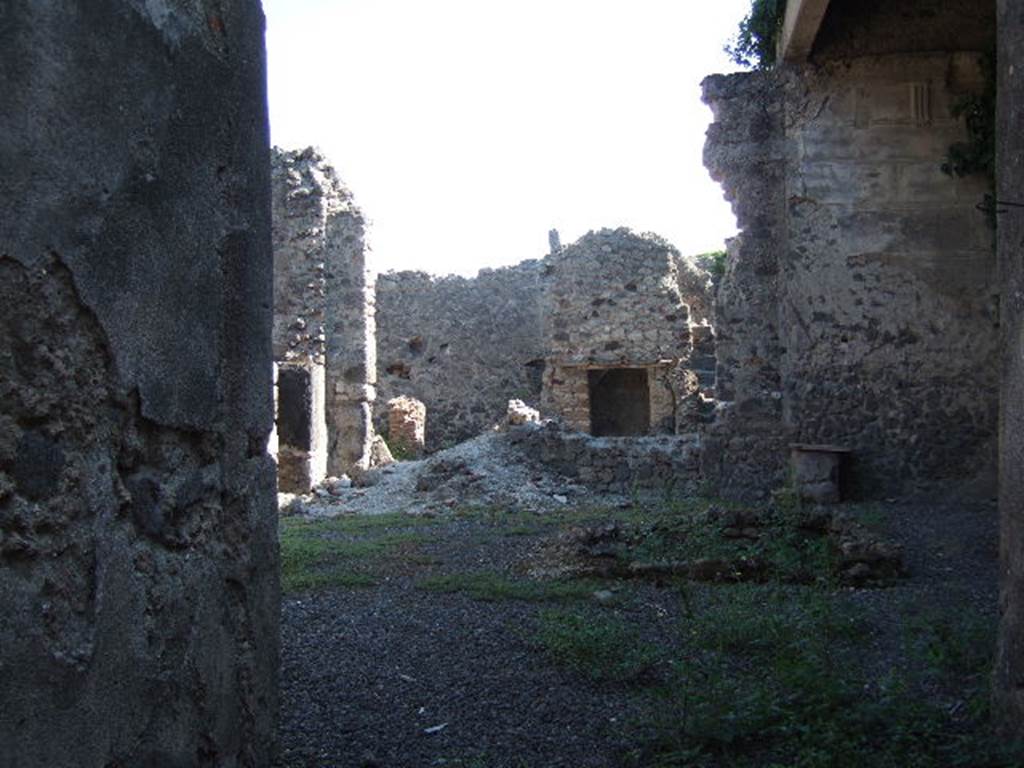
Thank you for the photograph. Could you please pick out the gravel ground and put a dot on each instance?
(396, 676)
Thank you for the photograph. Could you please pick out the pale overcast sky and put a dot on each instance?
(468, 128)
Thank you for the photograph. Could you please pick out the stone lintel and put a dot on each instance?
(800, 28)
(663, 363)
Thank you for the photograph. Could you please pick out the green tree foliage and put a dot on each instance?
(978, 153)
(756, 41)
(713, 262)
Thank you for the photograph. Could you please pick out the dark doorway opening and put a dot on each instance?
(620, 402)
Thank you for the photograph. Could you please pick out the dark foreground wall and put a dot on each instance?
(1010, 164)
(138, 564)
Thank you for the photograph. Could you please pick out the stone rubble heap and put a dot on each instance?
(532, 467)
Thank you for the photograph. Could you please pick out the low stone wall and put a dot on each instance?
(614, 464)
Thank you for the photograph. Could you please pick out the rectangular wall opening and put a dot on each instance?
(620, 402)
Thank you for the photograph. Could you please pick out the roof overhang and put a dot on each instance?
(800, 27)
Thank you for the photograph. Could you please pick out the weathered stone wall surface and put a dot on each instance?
(323, 297)
(138, 538)
(888, 310)
(407, 426)
(880, 300)
(612, 298)
(463, 346)
(1009, 669)
(696, 289)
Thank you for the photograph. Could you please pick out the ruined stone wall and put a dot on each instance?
(324, 301)
(880, 297)
(612, 299)
(743, 453)
(138, 528)
(695, 288)
(463, 346)
(1009, 668)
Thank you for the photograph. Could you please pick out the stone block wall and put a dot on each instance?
(463, 346)
(407, 422)
(744, 448)
(324, 311)
(138, 525)
(858, 303)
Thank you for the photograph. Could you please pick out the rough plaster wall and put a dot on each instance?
(138, 544)
(888, 308)
(324, 297)
(858, 304)
(461, 345)
(743, 450)
(1009, 670)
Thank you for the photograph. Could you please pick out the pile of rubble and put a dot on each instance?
(487, 471)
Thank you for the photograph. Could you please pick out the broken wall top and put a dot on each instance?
(612, 298)
(319, 253)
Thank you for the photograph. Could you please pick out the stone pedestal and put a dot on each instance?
(817, 471)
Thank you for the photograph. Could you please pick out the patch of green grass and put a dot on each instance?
(598, 646)
(752, 619)
(782, 552)
(357, 523)
(495, 587)
(871, 516)
(317, 554)
(774, 676)
(956, 645)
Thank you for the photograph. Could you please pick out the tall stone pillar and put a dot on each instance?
(1009, 673)
(138, 543)
(324, 299)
